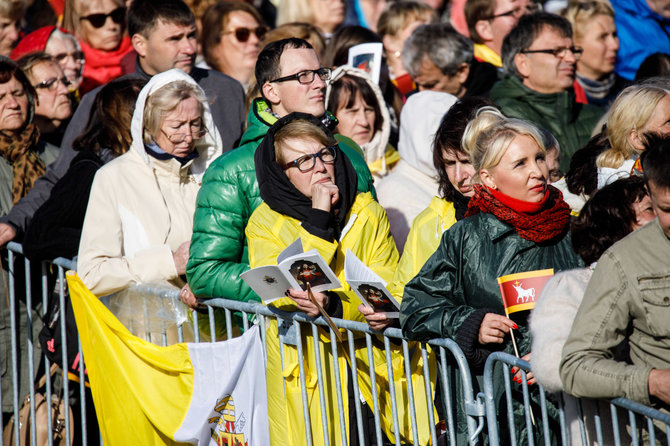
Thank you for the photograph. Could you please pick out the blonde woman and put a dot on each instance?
(637, 111)
(327, 15)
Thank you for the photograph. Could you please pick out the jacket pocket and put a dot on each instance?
(655, 293)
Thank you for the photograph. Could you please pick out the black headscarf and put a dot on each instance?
(283, 197)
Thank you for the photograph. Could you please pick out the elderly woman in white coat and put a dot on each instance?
(139, 218)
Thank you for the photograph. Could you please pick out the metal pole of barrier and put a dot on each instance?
(354, 383)
(31, 347)
(212, 324)
(82, 394)
(47, 363)
(145, 315)
(263, 324)
(652, 431)
(303, 385)
(633, 427)
(545, 417)
(373, 388)
(527, 408)
(598, 423)
(429, 393)
(508, 401)
(410, 391)
(561, 420)
(180, 333)
(615, 424)
(196, 328)
(391, 381)
(63, 336)
(229, 324)
(338, 384)
(322, 395)
(446, 395)
(245, 321)
(14, 345)
(582, 424)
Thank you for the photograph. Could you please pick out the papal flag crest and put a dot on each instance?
(519, 291)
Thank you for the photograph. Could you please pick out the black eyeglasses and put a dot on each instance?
(559, 52)
(307, 76)
(98, 20)
(307, 162)
(516, 12)
(52, 83)
(243, 34)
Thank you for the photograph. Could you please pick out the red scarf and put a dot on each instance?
(547, 223)
(102, 66)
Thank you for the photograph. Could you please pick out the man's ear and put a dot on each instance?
(487, 179)
(522, 64)
(139, 43)
(270, 93)
(463, 73)
(483, 28)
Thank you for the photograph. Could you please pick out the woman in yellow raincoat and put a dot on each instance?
(309, 192)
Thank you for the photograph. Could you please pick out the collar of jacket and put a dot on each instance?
(498, 230)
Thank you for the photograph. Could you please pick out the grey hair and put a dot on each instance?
(163, 101)
(524, 34)
(58, 34)
(442, 44)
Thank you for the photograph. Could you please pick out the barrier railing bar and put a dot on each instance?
(598, 423)
(14, 346)
(562, 422)
(394, 409)
(615, 424)
(322, 394)
(212, 324)
(446, 396)
(63, 336)
(337, 373)
(31, 347)
(229, 324)
(528, 409)
(354, 383)
(373, 388)
(303, 385)
(429, 393)
(410, 391)
(47, 363)
(545, 417)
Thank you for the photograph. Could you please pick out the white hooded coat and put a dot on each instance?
(412, 184)
(141, 208)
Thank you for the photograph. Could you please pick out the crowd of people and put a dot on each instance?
(186, 142)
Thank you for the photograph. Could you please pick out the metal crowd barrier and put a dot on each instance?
(591, 421)
(478, 409)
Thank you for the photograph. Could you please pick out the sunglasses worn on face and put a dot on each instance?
(243, 34)
(52, 83)
(99, 20)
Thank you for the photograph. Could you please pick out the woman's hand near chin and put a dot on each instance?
(304, 303)
(324, 196)
(376, 321)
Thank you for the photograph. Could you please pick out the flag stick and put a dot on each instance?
(323, 313)
(516, 352)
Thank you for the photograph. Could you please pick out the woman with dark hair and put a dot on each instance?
(612, 213)
(455, 172)
(55, 229)
(232, 33)
(357, 103)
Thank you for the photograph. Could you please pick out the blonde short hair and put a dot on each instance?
(299, 129)
(163, 101)
(630, 111)
(488, 136)
(294, 11)
(398, 15)
(579, 13)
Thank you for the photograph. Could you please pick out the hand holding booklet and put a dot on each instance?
(294, 270)
(369, 287)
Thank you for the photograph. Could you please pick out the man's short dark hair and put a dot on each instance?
(476, 10)
(267, 64)
(656, 160)
(144, 14)
(526, 31)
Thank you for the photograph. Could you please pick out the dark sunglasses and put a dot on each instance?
(99, 20)
(243, 34)
(52, 84)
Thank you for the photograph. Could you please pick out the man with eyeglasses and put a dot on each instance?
(163, 35)
(291, 79)
(489, 21)
(539, 61)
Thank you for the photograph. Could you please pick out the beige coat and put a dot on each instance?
(141, 209)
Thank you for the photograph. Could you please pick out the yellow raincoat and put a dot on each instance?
(422, 241)
(368, 237)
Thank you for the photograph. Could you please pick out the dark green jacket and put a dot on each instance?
(227, 198)
(571, 123)
(457, 286)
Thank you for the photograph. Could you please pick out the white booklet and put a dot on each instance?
(367, 57)
(369, 287)
(294, 270)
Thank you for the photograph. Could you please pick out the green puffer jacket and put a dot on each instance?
(457, 286)
(227, 198)
(571, 123)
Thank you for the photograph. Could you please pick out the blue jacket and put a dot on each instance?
(641, 32)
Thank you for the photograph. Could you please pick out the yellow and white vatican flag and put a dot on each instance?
(205, 394)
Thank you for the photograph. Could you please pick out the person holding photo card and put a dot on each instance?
(309, 192)
(515, 223)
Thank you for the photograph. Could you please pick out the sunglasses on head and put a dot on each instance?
(99, 20)
(243, 34)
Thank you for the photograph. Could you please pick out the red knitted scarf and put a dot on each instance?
(545, 225)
